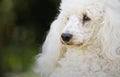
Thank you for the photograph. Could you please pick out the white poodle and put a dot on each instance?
(83, 41)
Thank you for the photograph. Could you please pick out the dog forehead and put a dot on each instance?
(93, 8)
(78, 4)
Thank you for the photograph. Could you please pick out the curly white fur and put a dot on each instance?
(95, 46)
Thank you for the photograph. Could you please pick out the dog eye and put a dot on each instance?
(67, 18)
(86, 18)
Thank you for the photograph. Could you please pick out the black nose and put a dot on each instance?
(66, 37)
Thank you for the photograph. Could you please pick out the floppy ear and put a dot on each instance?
(111, 33)
(51, 50)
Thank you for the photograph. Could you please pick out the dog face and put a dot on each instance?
(81, 25)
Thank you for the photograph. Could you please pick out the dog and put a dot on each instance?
(83, 41)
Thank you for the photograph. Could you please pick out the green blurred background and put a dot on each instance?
(23, 26)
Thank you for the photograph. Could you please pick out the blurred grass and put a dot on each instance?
(19, 57)
(24, 74)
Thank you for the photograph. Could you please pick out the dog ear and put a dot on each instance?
(46, 62)
(111, 33)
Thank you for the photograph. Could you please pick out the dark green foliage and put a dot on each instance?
(23, 24)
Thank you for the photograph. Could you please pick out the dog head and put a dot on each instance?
(83, 21)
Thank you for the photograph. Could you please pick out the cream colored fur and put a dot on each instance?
(99, 54)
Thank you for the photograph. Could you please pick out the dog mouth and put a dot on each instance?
(71, 43)
(66, 43)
